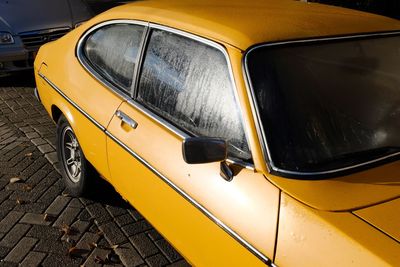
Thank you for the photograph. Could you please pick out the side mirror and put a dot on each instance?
(198, 150)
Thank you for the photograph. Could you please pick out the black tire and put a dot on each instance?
(76, 170)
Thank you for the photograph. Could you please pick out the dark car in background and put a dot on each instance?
(26, 25)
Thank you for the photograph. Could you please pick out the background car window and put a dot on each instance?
(112, 51)
(188, 83)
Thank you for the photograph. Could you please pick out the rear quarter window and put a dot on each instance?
(112, 52)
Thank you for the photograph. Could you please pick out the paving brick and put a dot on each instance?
(52, 157)
(44, 232)
(154, 235)
(31, 207)
(32, 135)
(33, 259)
(58, 205)
(144, 245)
(61, 260)
(38, 141)
(8, 264)
(75, 203)
(8, 222)
(18, 253)
(169, 252)
(157, 260)
(112, 233)
(52, 246)
(136, 228)
(85, 216)
(135, 214)
(77, 230)
(116, 211)
(4, 251)
(16, 233)
(124, 220)
(88, 239)
(128, 255)
(180, 263)
(100, 214)
(67, 217)
(34, 218)
(97, 256)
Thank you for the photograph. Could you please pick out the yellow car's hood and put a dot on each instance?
(347, 193)
(384, 216)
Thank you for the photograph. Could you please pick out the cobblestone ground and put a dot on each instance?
(40, 225)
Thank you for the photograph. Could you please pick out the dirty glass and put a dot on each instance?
(328, 105)
(188, 83)
(112, 51)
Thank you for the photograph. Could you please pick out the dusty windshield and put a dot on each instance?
(328, 105)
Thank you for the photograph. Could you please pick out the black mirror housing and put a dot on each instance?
(197, 150)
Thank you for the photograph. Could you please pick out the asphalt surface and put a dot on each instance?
(40, 225)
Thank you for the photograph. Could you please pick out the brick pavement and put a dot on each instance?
(40, 225)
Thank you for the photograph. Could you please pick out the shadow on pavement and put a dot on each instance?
(105, 193)
(18, 79)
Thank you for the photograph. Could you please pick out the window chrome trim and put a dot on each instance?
(260, 128)
(207, 213)
(222, 49)
(135, 82)
(82, 60)
(70, 101)
(158, 119)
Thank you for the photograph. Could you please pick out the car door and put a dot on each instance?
(185, 88)
(102, 82)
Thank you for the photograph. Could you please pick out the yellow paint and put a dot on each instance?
(308, 237)
(249, 205)
(384, 216)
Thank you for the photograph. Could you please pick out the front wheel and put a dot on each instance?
(76, 170)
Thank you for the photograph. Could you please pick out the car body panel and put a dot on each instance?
(197, 236)
(191, 205)
(349, 192)
(30, 28)
(247, 109)
(384, 216)
(242, 25)
(79, 87)
(308, 237)
(151, 140)
(58, 14)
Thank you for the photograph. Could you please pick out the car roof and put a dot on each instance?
(245, 23)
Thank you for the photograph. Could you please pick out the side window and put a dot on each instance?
(112, 52)
(188, 83)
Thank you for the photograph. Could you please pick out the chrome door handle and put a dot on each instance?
(126, 119)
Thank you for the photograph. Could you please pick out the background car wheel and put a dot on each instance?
(76, 170)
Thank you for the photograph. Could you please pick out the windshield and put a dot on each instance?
(328, 105)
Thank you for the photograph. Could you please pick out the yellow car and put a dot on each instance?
(248, 133)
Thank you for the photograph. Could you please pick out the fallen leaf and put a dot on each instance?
(65, 195)
(92, 245)
(65, 229)
(15, 180)
(114, 246)
(27, 187)
(99, 260)
(20, 201)
(28, 154)
(100, 233)
(75, 252)
(48, 217)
